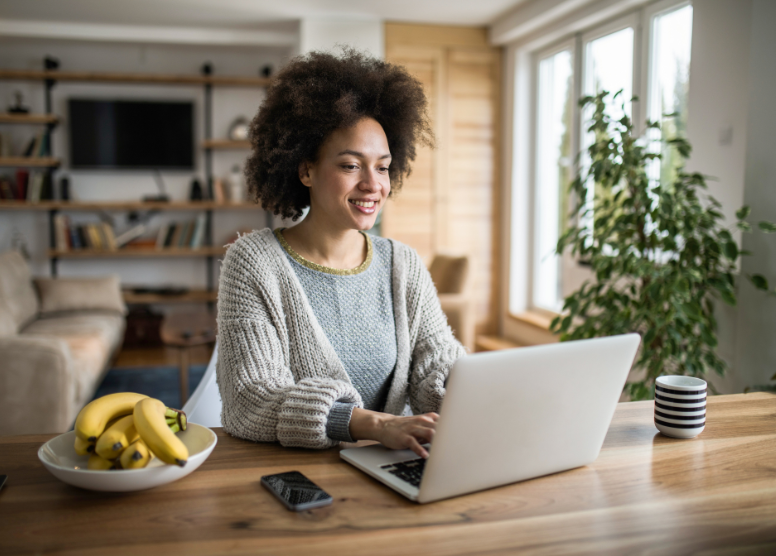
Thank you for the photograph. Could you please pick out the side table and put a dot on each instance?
(184, 331)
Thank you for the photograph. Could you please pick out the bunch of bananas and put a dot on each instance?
(126, 431)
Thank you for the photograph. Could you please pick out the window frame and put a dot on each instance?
(572, 274)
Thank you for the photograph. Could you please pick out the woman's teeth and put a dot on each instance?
(365, 204)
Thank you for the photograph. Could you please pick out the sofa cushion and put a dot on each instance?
(17, 294)
(92, 339)
(7, 323)
(59, 295)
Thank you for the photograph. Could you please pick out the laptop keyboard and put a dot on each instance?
(410, 471)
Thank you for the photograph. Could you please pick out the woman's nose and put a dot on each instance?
(370, 181)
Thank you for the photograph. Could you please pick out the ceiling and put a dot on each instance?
(245, 14)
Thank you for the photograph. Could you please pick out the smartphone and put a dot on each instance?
(2, 480)
(297, 492)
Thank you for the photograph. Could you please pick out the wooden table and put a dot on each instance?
(644, 493)
(184, 331)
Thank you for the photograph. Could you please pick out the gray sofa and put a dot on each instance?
(57, 338)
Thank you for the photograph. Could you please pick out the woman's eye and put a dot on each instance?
(350, 167)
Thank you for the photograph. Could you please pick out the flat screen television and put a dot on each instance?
(131, 134)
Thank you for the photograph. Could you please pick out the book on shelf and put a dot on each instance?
(35, 187)
(131, 234)
(7, 190)
(161, 236)
(62, 240)
(199, 232)
(109, 236)
(71, 237)
(182, 235)
(22, 179)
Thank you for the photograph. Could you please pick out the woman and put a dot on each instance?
(326, 332)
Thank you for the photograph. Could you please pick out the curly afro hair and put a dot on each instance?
(317, 94)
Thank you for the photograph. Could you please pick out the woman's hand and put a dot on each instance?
(394, 432)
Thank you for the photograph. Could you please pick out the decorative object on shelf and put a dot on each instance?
(236, 185)
(659, 252)
(207, 68)
(162, 197)
(238, 131)
(64, 188)
(18, 106)
(195, 191)
(266, 71)
(51, 63)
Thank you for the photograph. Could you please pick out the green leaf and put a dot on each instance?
(743, 212)
(731, 250)
(728, 297)
(744, 226)
(759, 281)
(648, 337)
(554, 323)
(767, 227)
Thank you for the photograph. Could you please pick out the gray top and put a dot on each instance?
(355, 310)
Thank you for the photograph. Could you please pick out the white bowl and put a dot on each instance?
(59, 457)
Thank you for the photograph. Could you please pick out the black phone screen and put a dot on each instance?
(296, 491)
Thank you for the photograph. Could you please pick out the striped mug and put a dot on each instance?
(680, 406)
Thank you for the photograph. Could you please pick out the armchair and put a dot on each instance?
(453, 277)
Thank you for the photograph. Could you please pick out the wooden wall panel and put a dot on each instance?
(448, 204)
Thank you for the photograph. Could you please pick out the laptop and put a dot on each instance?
(509, 416)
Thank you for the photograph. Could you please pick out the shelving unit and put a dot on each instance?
(90, 206)
(136, 253)
(29, 162)
(29, 119)
(208, 144)
(191, 296)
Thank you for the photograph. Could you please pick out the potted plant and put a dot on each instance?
(660, 253)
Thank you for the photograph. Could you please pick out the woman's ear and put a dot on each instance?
(304, 174)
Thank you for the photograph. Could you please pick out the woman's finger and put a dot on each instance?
(424, 433)
(415, 446)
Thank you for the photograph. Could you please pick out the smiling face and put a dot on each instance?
(349, 182)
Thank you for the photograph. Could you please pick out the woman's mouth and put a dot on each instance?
(367, 207)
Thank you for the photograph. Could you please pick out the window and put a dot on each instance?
(553, 173)
(669, 84)
(605, 57)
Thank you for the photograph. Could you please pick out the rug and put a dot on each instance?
(156, 382)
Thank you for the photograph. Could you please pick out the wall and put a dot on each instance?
(449, 203)
(755, 361)
(326, 34)
(20, 53)
(717, 127)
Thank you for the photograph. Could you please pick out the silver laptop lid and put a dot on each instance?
(522, 413)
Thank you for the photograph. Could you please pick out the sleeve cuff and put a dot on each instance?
(338, 423)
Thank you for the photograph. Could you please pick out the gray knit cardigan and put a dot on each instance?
(277, 372)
